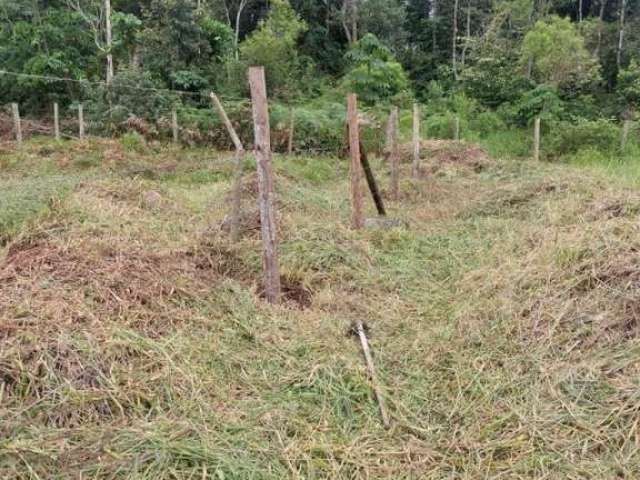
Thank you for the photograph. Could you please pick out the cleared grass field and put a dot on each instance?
(133, 343)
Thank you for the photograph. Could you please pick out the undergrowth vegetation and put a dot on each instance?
(504, 321)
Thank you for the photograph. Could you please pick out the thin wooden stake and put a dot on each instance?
(291, 130)
(626, 126)
(536, 139)
(237, 168)
(80, 121)
(456, 129)
(355, 172)
(395, 156)
(262, 146)
(371, 181)
(17, 126)
(416, 140)
(174, 125)
(372, 374)
(56, 121)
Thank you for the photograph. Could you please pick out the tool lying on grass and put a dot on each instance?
(359, 329)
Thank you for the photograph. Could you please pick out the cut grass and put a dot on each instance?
(504, 322)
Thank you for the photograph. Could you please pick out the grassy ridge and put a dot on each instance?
(504, 322)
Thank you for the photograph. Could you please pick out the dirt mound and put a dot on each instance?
(49, 287)
(440, 153)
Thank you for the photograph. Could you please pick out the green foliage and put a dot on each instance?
(441, 125)
(542, 101)
(374, 75)
(485, 123)
(557, 53)
(564, 138)
(629, 86)
(273, 45)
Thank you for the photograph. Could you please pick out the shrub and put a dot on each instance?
(566, 138)
(486, 123)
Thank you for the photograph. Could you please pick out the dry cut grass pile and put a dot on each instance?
(135, 344)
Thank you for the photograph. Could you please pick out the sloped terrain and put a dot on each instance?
(504, 320)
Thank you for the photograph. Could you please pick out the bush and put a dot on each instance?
(486, 123)
(442, 125)
(564, 138)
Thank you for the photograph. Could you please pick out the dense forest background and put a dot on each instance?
(493, 62)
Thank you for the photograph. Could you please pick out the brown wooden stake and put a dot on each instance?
(17, 125)
(56, 121)
(626, 126)
(174, 125)
(395, 156)
(262, 146)
(291, 130)
(456, 129)
(236, 202)
(536, 139)
(416, 140)
(371, 181)
(372, 374)
(355, 172)
(80, 122)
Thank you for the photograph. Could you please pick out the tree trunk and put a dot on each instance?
(433, 16)
(108, 38)
(580, 11)
(467, 38)
(600, 25)
(623, 7)
(236, 37)
(454, 39)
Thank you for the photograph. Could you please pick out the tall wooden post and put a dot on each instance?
(237, 168)
(416, 140)
(81, 121)
(394, 155)
(56, 121)
(456, 129)
(355, 172)
(262, 146)
(291, 130)
(17, 126)
(536, 139)
(174, 125)
(626, 126)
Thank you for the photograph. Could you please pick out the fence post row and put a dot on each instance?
(17, 126)
(237, 168)
(416, 140)
(262, 146)
(536, 139)
(355, 171)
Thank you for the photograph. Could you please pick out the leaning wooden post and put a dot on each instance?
(174, 125)
(262, 146)
(17, 126)
(394, 155)
(80, 121)
(456, 129)
(291, 130)
(237, 168)
(355, 172)
(626, 126)
(416, 140)
(536, 139)
(56, 121)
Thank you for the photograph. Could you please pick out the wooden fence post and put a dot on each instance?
(456, 129)
(17, 126)
(626, 126)
(291, 130)
(416, 140)
(56, 121)
(80, 121)
(262, 146)
(536, 139)
(394, 155)
(174, 125)
(355, 172)
(237, 168)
